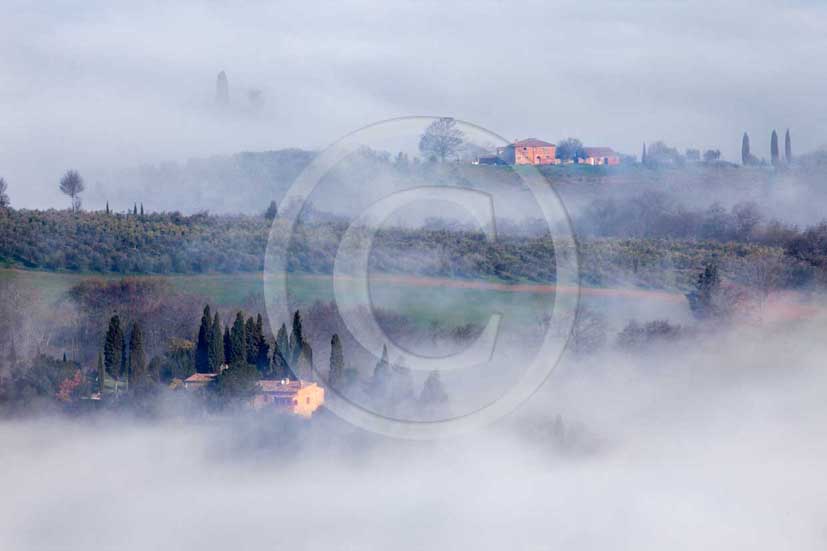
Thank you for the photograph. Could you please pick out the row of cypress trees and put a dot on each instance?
(122, 361)
(244, 342)
(747, 158)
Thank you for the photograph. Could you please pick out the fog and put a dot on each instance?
(101, 86)
(713, 444)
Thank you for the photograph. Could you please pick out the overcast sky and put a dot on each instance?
(92, 84)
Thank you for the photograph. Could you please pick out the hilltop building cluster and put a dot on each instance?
(532, 151)
(296, 397)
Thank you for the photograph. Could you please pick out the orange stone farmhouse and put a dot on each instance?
(281, 395)
(532, 151)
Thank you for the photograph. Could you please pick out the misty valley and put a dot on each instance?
(413, 276)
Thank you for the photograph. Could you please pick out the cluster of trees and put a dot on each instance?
(660, 154)
(747, 158)
(656, 215)
(240, 353)
(175, 244)
(126, 362)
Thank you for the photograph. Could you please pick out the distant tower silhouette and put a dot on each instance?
(222, 89)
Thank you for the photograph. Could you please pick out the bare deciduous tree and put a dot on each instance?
(72, 185)
(441, 139)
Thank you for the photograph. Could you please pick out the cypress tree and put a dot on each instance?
(278, 364)
(262, 359)
(296, 338)
(142, 210)
(202, 347)
(746, 156)
(282, 342)
(238, 341)
(788, 147)
(250, 341)
(228, 346)
(107, 208)
(216, 352)
(272, 211)
(433, 393)
(135, 209)
(774, 148)
(101, 374)
(337, 363)
(643, 154)
(304, 363)
(137, 357)
(114, 357)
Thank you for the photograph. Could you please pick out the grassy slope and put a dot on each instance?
(423, 303)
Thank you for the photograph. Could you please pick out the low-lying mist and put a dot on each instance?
(713, 442)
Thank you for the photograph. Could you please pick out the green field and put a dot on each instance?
(423, 301)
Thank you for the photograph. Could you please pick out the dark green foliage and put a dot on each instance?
(178, 361)
(279, 368)
(282, 342)
(570, 149)
(228, 345)
(238, 341)
(137, 358)
(107, 208)
(114, 348)
(202, 344)
(237, 382)
(433, 393)
(296, 339)
(774, 155)
(303, 369)
(216, 345)
(643, 158)
(701, 298)
(251, 341)
(336, 370)
(262, 359)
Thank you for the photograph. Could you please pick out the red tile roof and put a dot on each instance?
(600, 152)
(532, 142)
(200, 378)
